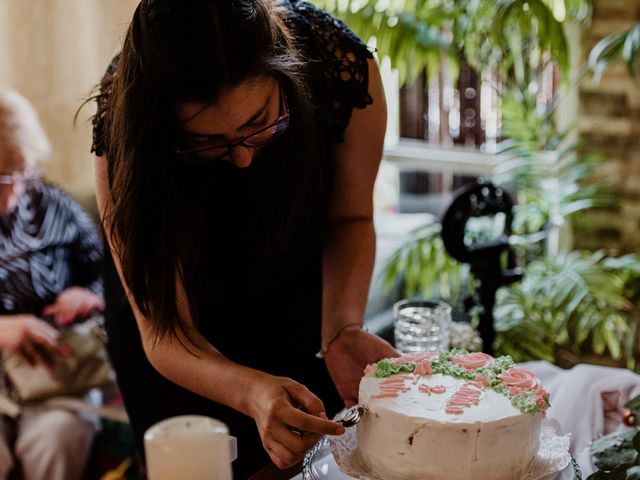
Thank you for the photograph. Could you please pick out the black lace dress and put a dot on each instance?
(262, 311)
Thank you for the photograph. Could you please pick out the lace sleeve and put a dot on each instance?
(102, 99)
(339, 67)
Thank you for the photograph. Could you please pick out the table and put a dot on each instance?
(271, 472)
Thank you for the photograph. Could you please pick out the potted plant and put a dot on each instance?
(570, 304)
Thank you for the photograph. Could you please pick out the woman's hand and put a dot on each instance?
(290, 419)
(32, 338)
(347, 356)
(73, 303)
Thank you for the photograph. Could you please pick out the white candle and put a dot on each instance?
(189, 448)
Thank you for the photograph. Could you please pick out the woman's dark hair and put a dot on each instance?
(179, 51)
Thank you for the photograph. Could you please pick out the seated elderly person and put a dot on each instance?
(50, 257)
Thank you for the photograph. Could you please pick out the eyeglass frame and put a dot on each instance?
(192, 157)
(22, 179)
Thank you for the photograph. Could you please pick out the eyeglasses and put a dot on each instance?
(210, 153)
(18, 179)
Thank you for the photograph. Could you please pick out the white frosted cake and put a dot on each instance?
(453, 416)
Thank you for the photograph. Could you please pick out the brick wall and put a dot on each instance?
(609, 122)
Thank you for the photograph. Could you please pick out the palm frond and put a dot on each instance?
(617, 46)
(422, 267)
(575, 298)
(488, 34)
(410, 35)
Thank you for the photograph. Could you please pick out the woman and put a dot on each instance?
(235, 180)
(50, 263)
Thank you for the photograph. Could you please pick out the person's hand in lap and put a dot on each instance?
(72, 304)
(34, 339)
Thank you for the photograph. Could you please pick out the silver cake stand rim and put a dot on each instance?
(308, 473)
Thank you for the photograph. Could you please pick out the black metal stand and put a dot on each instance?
(485, 259)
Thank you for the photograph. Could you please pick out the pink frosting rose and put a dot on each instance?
(423, 367)
(472, 361)
(519, 377)
(483, 380)
(413, 357)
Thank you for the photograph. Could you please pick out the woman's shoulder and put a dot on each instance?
(107, 78)
(338, 64)
(330, 37)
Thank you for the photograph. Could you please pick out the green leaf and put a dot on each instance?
(600, 475)
(616, 459)
(633, 473)
(634, 405)
(615, 452)
(613, 344)
(631, 49)
(614, 440)
(636, 442)
(605, 51)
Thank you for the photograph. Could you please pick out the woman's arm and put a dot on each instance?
(275, 403)
(350, 246)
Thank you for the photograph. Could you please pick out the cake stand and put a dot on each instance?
(320, 463)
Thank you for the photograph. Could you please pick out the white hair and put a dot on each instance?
(21, 134)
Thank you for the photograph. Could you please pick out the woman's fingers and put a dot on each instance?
(45, 356)
(36, 354)
(62, 317)
(315, 421)
(287, 446)
(64, 314)
(291, 420)
(44, 339)
(305, 422)
(65, 319)
(43, 334)
(26, 351)
(72, 303)
(301, 395)
(50, 310)
(298, 442)
(280, 455)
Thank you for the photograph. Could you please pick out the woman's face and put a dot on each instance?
(13, 172)
(239, 111)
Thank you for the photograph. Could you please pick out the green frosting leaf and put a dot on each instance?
(384, 368)
(524, 399)
(505, 362)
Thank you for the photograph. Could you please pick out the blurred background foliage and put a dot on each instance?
(570, 304)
